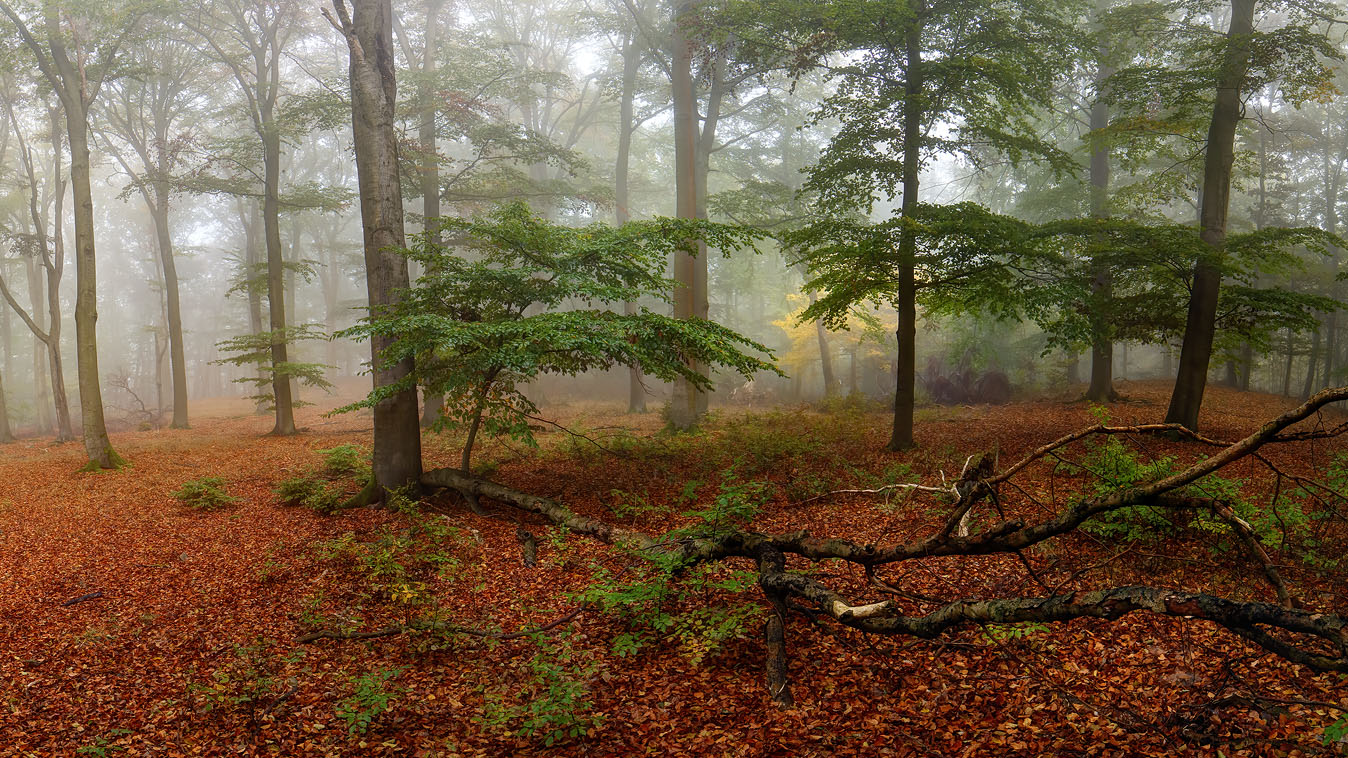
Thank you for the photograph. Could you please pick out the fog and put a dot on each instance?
(525, 101)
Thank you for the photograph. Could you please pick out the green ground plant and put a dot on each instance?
(205, 494)
(555, 703)
(372, 695)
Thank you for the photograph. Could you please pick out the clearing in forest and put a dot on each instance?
(136, 624)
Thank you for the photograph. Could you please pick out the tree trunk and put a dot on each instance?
(97, 446)
(1246, 366)
(1101, 389)
(1312, 363)
(253, 263)
(6, 434)
(683, 405)
(369, 35)
(1287, 372)
(636, 390)
(177, 354)
(41, 336)
(904, 399)
(1200, 326)
(430, 165)
(1332, 182)
(825, 356)
(705, 144)
(276, 303)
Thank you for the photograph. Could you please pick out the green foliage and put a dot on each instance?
(1336, 732)
(765, 443)
(398, 565)
(733, 508)
(310, 492)
(666, 598)
(255, 349)
(346, 460)
(998, 633)
(556, 703)
(371, 697)
(531, 298)
(967, 249)
(1147, 300)
(632, 504)
(325, 490)
(205, 494)
(253, 682)
(102, 748)
(1116, 467)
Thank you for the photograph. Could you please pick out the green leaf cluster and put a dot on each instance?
(512, 296)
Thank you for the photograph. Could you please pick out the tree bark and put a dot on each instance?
(276, 298)
(369, 35)
(1101, 389)
(904, 398)
(1200, 326)
(6, 434)
(683, 412)
(177, 353)
(631, 53)
(430, 165)
(825, 354)
(253, 262)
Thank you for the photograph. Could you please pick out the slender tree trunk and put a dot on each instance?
(6, 434)
(636, 389)
(1332, 182)
(177, 354)
(96, 443)
(854, 380)
(705, 144)
(253, 264)
(369, 35)
(904, 396)
(41, 384)
(276, 302)
(1312, 363)
(1200, 327)
(683, 405)
(825, 354)
(1101, 389)
(430, 165)
(1287, 372)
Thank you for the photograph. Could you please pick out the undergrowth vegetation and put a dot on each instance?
(430, 624)
(327, 487)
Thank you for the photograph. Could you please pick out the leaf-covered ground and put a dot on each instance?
(190, 647)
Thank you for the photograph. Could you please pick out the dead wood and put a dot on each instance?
(82, 599)
(1316, 640)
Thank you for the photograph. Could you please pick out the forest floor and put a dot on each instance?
(184, 638)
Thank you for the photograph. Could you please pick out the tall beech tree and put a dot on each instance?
(76, 66)
(249, 38)
(684, 404)
(368, 29)
(145, 113)
(1280, 47)
(1201, 325)
(424, 64)
(44, 255)
(917, 80)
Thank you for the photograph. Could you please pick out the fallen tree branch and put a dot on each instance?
(1319, 641)
(82, 599)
